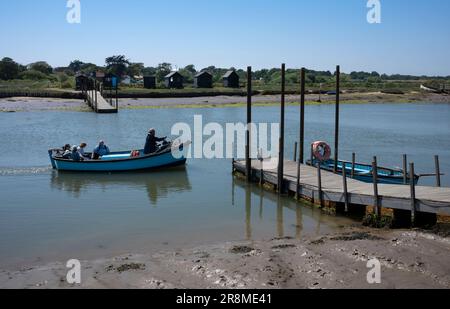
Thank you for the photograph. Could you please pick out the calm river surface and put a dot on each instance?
(49, 216)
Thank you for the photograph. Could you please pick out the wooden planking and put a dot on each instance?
(102, 105)
(429, 199)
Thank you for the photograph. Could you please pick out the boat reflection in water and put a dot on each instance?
(159, 185)
(292, 219)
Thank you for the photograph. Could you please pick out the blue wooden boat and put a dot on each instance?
(123, 161)
(363, 172)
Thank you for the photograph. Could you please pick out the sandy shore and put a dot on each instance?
(44, 104)
(409, 259)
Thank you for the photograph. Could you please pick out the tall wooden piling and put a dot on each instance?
(413, 192)
(336, 128)
(353, 164)
(302, 115)
(282, 120)
(95, 92)
(248, 161)
(261, 174)
(405, 169)
(319, 183)
(344, 179)
(375, 187)
(295, 151)
(438, 171)
(297, 188)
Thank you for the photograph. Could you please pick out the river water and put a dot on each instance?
(47, 216)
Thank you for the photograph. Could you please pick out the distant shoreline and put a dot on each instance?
(68, 103)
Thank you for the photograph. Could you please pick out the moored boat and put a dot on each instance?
(169, 155)
(364, 172)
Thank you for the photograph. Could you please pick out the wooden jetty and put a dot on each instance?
(332, 189)
(99, 104)
(94, 92)
(329, 187)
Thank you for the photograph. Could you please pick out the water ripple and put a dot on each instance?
(23, 171)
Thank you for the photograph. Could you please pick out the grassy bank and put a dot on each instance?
(55, 89)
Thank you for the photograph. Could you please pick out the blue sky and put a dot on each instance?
(413, 38)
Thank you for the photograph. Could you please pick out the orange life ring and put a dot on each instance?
(321, 151)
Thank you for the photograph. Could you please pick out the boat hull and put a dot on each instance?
(363, 172)
(150, 162)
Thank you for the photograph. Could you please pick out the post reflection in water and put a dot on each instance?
(281, 203)
(248, 214)
(157, 184)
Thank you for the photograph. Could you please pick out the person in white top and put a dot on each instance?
(81, 150)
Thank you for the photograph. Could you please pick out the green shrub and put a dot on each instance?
(33, 75)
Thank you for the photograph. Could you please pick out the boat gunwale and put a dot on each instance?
(368, 173)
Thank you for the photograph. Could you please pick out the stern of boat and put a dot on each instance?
(52, 161)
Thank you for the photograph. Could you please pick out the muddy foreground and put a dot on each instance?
(409, 259)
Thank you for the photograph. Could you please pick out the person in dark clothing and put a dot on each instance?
(150, 143)
(100, 150)
(75, 154)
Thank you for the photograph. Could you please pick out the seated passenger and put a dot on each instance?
(67, 152)
(150, 143)
(81, 150)
(100, 150)
(75, 154)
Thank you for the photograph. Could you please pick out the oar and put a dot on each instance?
(430, 175)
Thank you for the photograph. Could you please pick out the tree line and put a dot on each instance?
(120, 66)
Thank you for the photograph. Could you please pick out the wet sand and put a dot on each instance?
(44, 104)
(28, 104)
(409, 259)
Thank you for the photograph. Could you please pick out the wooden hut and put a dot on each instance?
(149, 82)
(81, 80)
(231, 79)
(108, 81)
(174, 80)
(203, 80)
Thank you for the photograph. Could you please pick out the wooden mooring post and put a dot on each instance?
(344, 179)
(248, 161)
(295, 151)
(319, 183)
(375, 187)
(302, 116)
(336, 128)
(413, 193)
(281, 143)
(261, 167)
(405, 169)
(297, 188)
(353, 164)
(438, 171)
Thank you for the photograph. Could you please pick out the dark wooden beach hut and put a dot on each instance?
(231, 79)
(81, 80)
(203, 80)
(174, 80)
(149, 82)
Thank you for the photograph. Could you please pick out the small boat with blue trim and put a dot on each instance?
(364, 172)
(321, 153)
(170, 154)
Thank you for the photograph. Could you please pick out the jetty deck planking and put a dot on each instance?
(428, 199)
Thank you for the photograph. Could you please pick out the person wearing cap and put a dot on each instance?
(150, 143)
(100, 150)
